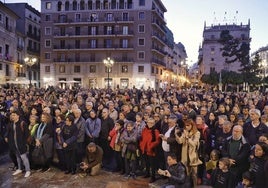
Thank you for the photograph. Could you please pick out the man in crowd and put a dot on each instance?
(93, 160)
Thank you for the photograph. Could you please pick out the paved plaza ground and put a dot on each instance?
(54, 178)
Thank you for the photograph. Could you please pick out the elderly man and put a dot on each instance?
(92, 162)
(237, 149)
(80, 123)
(254, 129)
(169, 143)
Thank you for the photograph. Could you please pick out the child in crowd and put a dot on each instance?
(221, 177)
(212, 164)
(247, 181)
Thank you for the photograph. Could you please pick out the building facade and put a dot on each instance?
(210, 54)
(28, 42)
(8, 44)
(77, 35)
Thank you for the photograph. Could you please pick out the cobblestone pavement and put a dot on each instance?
(55, 178)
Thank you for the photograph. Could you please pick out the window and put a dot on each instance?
(62, 69)
(157, 70)
(108, 43)
(1, 18)
(47, 69)
(77, 17)
(212, 59)
(141, 28)
(108, 69)
(93, 30)
(92, 68)
(48, 31)
(93, 43)
(141, 55)
(125, 43)
(77, 30)
(141, 2)
(47, 55)
(141, 69)
(141, 15)
(48, 5)
(125, 30)
(109, 17)
(152, 70)
(141, 41)
(77, 44)
(47, 43)
(77, 69)
(124, 68)
(212, 51)
(74, 5)
(212, 69)
(125, 16)
(109, 30)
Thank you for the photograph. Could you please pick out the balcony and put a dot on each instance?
(96, 20)
(93, 47)
(156, 23)
(9, 28)
(6, 57)
(159, 50)
(33, 36)
(159, 38)
(20, 74)
(157, 61)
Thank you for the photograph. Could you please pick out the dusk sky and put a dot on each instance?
(186, 19)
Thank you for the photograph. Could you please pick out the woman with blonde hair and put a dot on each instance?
(189, 138)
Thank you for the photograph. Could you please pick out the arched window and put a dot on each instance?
(75, 5)
(59, 6)
(89, 3)
(98, 4)
(82, 5)
(35, 31)
(105, 4)
(121, 4)
(67, 6)
(30, 29)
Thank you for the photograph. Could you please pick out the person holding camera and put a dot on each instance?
(176, 173)
(92, 163)
(189, 138)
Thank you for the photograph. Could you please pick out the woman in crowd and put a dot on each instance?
(115, 143)
(60, 123)
(32, 128)
(68, 136)
(189, 139)
(44, 138)
(129, 150)
(258, 164)
(93, 127)
(149, 141)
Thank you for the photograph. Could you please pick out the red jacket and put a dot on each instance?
(148, 146)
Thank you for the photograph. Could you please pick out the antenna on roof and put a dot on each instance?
(215, 19)
(235, 17)
(225, 19)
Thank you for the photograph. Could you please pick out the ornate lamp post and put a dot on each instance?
(30, 62)
(108, 64)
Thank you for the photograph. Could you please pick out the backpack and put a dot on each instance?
(29, 137)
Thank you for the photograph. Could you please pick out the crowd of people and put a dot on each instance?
(190, 136)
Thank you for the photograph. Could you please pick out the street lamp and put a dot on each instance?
(30, 62)
(108, 64)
